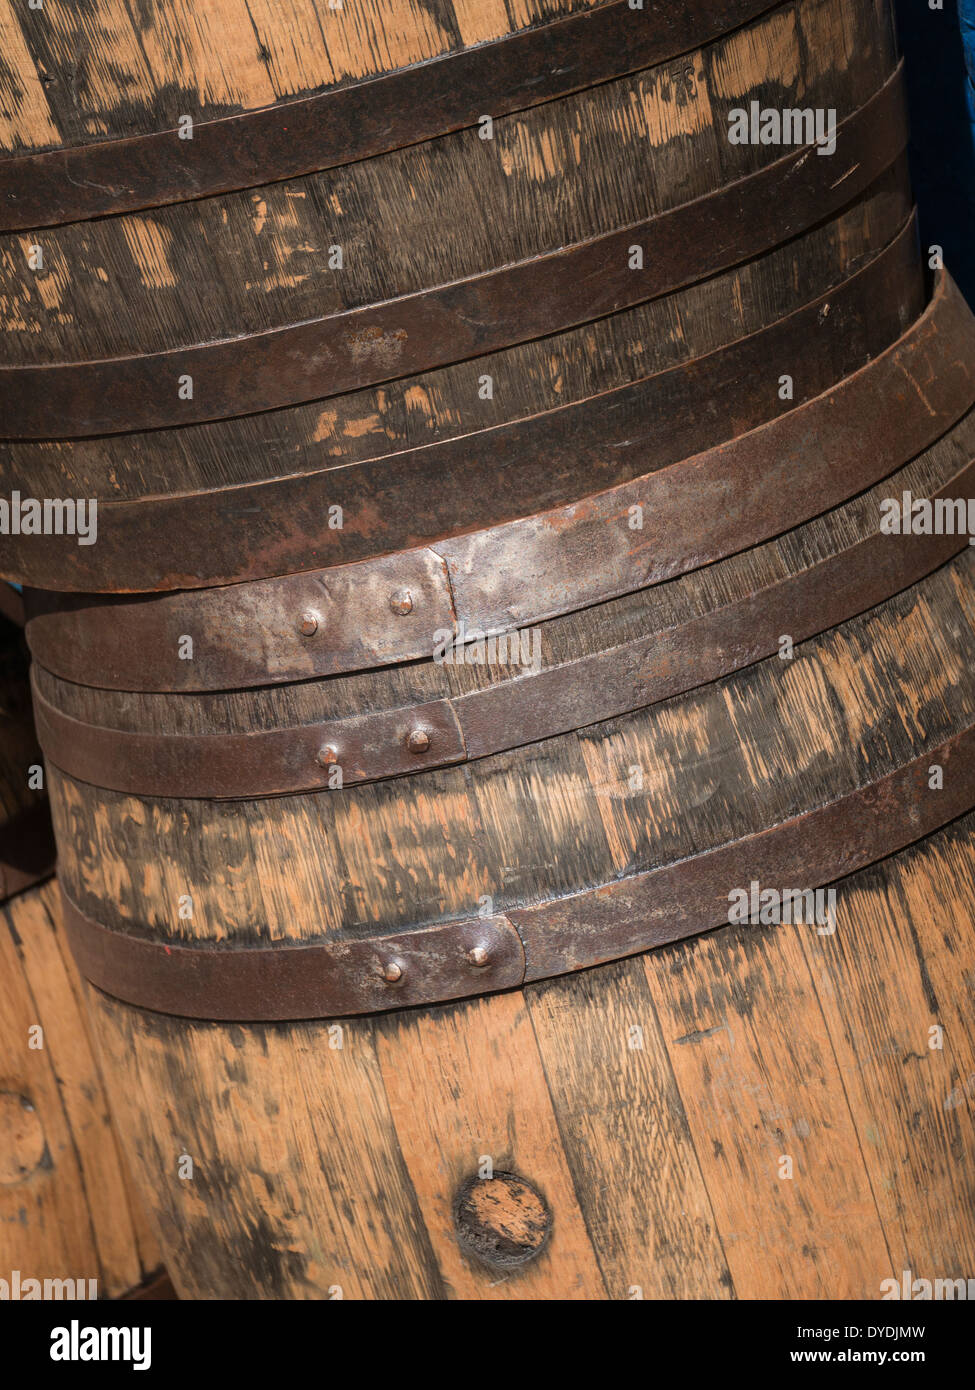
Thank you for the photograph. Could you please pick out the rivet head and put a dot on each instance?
(308, 623)
(327, 755)
(392, 971)
(418, 741)
(479, 956)
(401, 602)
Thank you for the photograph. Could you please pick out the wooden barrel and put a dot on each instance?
(498, 718)
(68, 1211)
(715, 1117)
(333, 339)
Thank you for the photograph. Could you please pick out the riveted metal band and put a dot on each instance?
(330, 978)
(694, 512)
(453, 960)
(483, 313)
(395, 608)
(511, 713)
(343, 619)
(361, 119)
(263, 763)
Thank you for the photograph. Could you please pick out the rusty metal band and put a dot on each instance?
(728, 499)
(269, 528)
(700, 510)
(27, 852)
(556, 700)
(389, 609)
(475, 956)
(466, 318)
(361, 119)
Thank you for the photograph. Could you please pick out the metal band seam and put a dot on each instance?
(435, 734)
(618, 919)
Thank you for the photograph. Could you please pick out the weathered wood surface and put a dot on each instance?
(557, 816)
(761, 1112)
(652, 1103)
(71, 76)
(559, 174)
(67, 1206)
(449, 403)
(687, 1119)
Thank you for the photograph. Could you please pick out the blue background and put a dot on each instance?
(939, 61)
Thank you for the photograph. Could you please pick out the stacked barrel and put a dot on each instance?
(68, 1213)
(478, 610)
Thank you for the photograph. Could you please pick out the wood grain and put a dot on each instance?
(72, 75)
(660, 1161)
(251, 1109)
(626, 1136)
(560, 815)
(66, 1207)
(472, 1079)
(449, 402)
(902, 965)
(558, 174)
(764, 1098)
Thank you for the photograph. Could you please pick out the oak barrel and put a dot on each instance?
(68, 1209)
(514, 783)
(195, 350)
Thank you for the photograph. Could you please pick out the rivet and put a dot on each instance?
(327, 755)
(308, 623)
(418, 741)
(401, 602)
(479, 956)
(392, 972)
